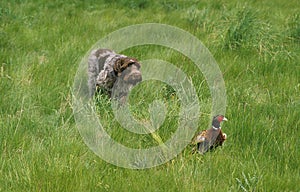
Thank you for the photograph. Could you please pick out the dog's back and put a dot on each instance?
(96, 63)
(99, 61)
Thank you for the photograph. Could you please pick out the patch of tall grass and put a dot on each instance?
(256, 45)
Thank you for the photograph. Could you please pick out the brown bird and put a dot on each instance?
(212, 137)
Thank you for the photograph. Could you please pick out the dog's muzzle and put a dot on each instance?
(133, 78)
(132, 75)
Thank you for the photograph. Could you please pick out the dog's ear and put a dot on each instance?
(122, 63)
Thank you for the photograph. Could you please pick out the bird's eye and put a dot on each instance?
(220, 118)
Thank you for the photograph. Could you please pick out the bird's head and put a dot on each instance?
(217, 121)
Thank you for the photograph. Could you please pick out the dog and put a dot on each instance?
(112, 74)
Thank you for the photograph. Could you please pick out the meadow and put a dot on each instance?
(255, 43)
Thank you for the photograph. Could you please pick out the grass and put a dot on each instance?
(256, 45)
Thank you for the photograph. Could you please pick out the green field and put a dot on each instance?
(257, 47)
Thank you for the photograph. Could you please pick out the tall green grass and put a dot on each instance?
(256, 45)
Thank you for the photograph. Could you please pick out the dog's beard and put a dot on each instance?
(123, 87)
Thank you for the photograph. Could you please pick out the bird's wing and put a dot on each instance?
(203, 141)
(200, 137)
(209, 141)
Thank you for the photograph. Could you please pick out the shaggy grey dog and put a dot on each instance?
(111, 73)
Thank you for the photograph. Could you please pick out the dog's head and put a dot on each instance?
(127, 71)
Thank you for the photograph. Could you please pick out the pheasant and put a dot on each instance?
(212, 137)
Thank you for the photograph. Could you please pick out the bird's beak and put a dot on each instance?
(225, 119)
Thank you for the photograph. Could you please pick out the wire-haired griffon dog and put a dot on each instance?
(109, 71)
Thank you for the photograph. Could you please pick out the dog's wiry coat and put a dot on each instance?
(108, 70)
